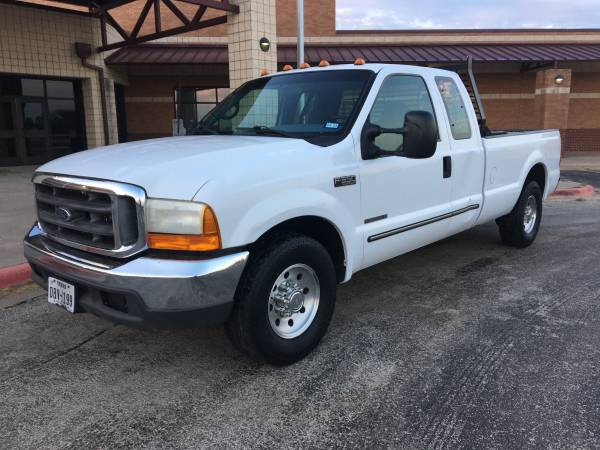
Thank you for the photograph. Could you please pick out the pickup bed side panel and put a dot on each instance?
(509, 158)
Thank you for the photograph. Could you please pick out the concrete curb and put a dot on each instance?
(581, 191)
(14, 275)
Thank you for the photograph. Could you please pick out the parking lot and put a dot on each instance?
(465, 343)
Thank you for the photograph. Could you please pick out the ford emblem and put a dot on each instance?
(63, 214)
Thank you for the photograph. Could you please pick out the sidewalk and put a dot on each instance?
(17, 211)
(580, 161)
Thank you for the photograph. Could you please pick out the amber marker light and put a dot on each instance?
(264, 72)
(304, 65)
(323, 63)
(287, 67)
(359, 62)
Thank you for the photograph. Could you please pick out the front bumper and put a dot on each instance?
(146, 292)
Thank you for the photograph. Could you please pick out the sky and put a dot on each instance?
(432, 14)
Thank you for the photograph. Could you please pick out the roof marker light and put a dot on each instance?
(264, 72)
(287, 67)
(359, 62)
(304, 65)
(323, 63)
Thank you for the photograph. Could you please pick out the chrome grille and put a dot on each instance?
(96, 216)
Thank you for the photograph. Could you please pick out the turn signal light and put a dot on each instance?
(210, 226)
(287, 67)
(359, 62)
(188, 242)
(323, 63)
(304, 65)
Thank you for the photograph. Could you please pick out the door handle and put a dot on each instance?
(447, 166)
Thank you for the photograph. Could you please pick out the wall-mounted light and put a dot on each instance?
(264, 44)
(559, 79)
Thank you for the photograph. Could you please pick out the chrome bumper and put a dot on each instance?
(157, 292)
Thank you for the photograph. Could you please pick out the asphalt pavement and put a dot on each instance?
(463, 344)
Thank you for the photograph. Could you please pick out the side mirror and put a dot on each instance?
(420, 137)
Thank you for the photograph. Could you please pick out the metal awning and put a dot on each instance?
(217, 54)
(191, 15)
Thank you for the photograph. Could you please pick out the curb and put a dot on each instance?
(581, 191)
(14, 275)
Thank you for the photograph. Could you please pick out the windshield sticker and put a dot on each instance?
(332, 125)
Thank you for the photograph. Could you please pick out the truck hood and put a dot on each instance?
(176, 167)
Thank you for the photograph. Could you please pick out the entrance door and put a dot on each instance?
(8, 133)
(402, 198)
(40, 120)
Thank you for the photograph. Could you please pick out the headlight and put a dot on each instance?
(179, 225)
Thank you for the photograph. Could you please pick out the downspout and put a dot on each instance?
(84, 51)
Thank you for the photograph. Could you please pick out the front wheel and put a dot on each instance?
(519, 228)
(285, 300)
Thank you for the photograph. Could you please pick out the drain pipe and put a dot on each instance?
(84, 51)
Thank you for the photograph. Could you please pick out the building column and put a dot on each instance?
(255, 20)
(552, 98)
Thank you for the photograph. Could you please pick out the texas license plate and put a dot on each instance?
(61, 294)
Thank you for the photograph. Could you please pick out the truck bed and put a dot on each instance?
(507, 156)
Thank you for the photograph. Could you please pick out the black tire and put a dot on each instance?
(513, 230)
(249, 327)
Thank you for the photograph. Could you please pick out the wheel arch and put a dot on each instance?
(322, 230)
(538, 173)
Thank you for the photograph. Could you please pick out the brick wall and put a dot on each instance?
(319, 18)
(508, 99)
(583, 133)
(150, 102)
(584, 140)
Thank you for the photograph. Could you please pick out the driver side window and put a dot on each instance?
(398, 95)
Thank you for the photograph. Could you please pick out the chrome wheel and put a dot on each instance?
(294, 301)
(530, 214)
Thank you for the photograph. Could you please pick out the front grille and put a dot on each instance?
(91, 219)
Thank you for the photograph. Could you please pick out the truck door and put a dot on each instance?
(465, 168)
(404, 201)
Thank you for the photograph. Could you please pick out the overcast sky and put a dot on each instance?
(428, 14)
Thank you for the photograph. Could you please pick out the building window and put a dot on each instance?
(193, 103)
(40, 119)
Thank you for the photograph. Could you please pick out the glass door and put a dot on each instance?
(40, 120)
(8, 135)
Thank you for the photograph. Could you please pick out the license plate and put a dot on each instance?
(61, 294)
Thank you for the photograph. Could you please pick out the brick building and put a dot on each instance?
(54, 101)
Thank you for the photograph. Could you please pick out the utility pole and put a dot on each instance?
(300, 31)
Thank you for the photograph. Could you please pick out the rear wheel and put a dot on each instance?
(519, 228)
(285, 300)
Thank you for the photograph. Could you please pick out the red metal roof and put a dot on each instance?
(217, 54)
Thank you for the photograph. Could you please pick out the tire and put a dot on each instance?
(259, 324)
(520, 227)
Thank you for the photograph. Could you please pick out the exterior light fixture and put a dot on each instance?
(264, 44)
(559, 79)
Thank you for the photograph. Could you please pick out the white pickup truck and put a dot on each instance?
(292, 184)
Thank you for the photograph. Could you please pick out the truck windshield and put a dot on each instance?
(311, 105)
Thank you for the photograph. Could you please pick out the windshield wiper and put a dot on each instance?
(201, 128)
(264, 130)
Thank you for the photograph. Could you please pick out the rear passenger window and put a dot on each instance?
(457, 113)
(398, 95)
